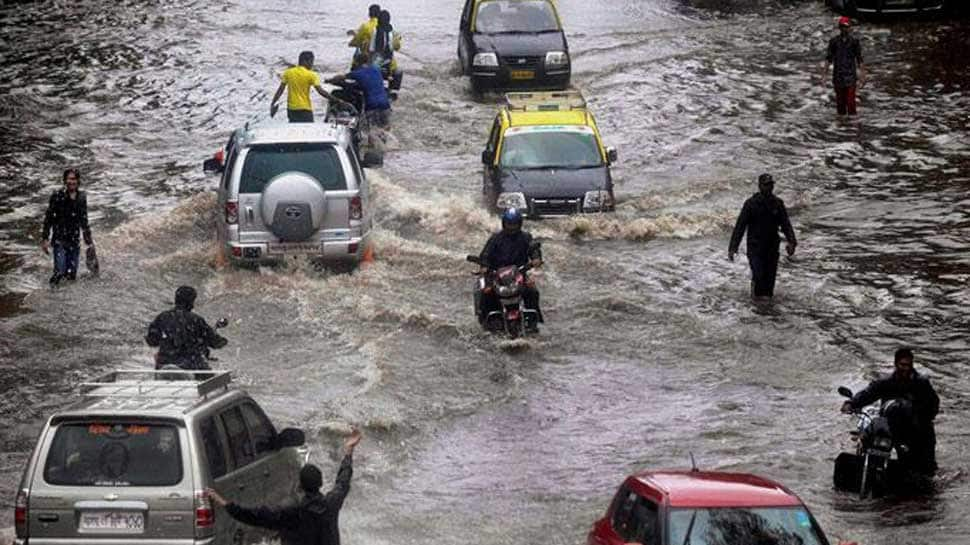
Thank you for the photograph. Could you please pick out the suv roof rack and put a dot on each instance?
(550, 101)
(157, 384)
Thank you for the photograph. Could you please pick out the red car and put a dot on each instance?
(705, 508)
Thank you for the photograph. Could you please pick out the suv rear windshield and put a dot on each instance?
(114, 454)
(267, 161)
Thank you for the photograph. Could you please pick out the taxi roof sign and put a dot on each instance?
(549, 101)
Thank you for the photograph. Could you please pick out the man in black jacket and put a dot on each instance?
(913, 425)
(511, 246)
(182, 337)
(312, 521)
(762, 216)
(66, 216)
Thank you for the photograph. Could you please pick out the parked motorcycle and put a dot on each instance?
(872, 468)
(505, 284)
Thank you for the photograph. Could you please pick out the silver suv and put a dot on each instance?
(292, 189)
(130, 463)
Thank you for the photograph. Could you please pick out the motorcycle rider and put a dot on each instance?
(182, 337)
(911, 421)
(383, 43)
(511, 246)
(361, 38)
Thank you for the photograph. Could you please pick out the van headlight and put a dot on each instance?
(557, 58)
(485, 59)
(597, 200)
(510, 200)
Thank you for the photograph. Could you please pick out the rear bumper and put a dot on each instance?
(343, 250)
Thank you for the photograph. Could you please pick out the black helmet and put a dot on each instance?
(185, 297)
(310, 478)
(766, 179)
(512, 216)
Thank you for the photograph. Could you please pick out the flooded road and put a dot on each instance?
(652, 348)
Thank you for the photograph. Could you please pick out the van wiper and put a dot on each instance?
(690, 527)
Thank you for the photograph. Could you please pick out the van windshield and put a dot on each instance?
(267, 161)
(114, 454)
(550, 149)
(497, 16)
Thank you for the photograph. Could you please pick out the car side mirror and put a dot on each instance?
(473, 259)
(845, 392)
(212, 166)
(611, 155)
(486, 157)
(290, 437)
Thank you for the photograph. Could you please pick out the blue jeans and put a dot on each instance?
(65, 261)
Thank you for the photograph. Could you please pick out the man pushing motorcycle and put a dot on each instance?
(910, 416)
(511, 246)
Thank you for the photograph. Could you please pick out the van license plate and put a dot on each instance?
(522, 74)
(295, 248)
(119, 522)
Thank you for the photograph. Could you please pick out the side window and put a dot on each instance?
(466, 15)
(636, 519)
(493, 136)
(240, 446)
(227, 172)
(215, 450)
(260, 429)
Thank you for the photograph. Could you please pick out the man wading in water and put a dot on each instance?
(762, 216)
(844, 55)
(67, 214)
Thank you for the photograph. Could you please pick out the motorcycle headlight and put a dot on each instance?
(883, 443)
(597, 200)
(506, 291)
(510, 200)
(485, 59)
(557, 58)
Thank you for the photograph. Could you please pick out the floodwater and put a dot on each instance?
(652, 349)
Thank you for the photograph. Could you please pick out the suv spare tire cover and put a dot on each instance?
(293, 206)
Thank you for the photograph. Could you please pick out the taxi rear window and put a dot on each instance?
(114, 454)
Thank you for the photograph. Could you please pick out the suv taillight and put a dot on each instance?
(20, 512)
(205, 517)
(356, 208)
(232, 212)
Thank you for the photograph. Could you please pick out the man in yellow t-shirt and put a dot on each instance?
(299, 79)
(362, 37)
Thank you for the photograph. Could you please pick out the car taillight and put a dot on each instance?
(20, 512)
(220, 156)
(356, 208)
(232, 212)
(205, 517)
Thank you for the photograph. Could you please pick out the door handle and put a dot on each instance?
(242, 487)
(249, 214)
(48, 518)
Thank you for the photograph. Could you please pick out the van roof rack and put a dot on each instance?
(549, 101)
(157, 384)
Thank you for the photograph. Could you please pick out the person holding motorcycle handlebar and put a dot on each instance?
(912, 420)
(511, 246)
(183, 338)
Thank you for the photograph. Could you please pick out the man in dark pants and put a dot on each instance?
(511, 246)
(67, 214)
(312, 521)
(915, 422)
(299, 79)
(844, 54)
(183, 337)
(762, 215)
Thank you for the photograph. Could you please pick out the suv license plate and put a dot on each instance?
(119, 522)
(295, 248)
(522, 74)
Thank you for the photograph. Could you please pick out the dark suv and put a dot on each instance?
(513, 43)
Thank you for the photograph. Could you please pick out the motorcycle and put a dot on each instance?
(350, 113)
(872, 469)
(506, 284)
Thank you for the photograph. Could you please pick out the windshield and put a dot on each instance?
(114, 454)
(266, 161)
(495, 16)
(546, 149)
(748, 526)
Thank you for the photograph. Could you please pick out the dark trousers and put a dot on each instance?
(764, 268)
(396, 77)
(299, 116)
(65, 261)
(845, 100)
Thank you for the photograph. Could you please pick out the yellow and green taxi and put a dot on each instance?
(545, 157)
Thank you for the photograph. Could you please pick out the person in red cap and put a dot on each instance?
(845, 56)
